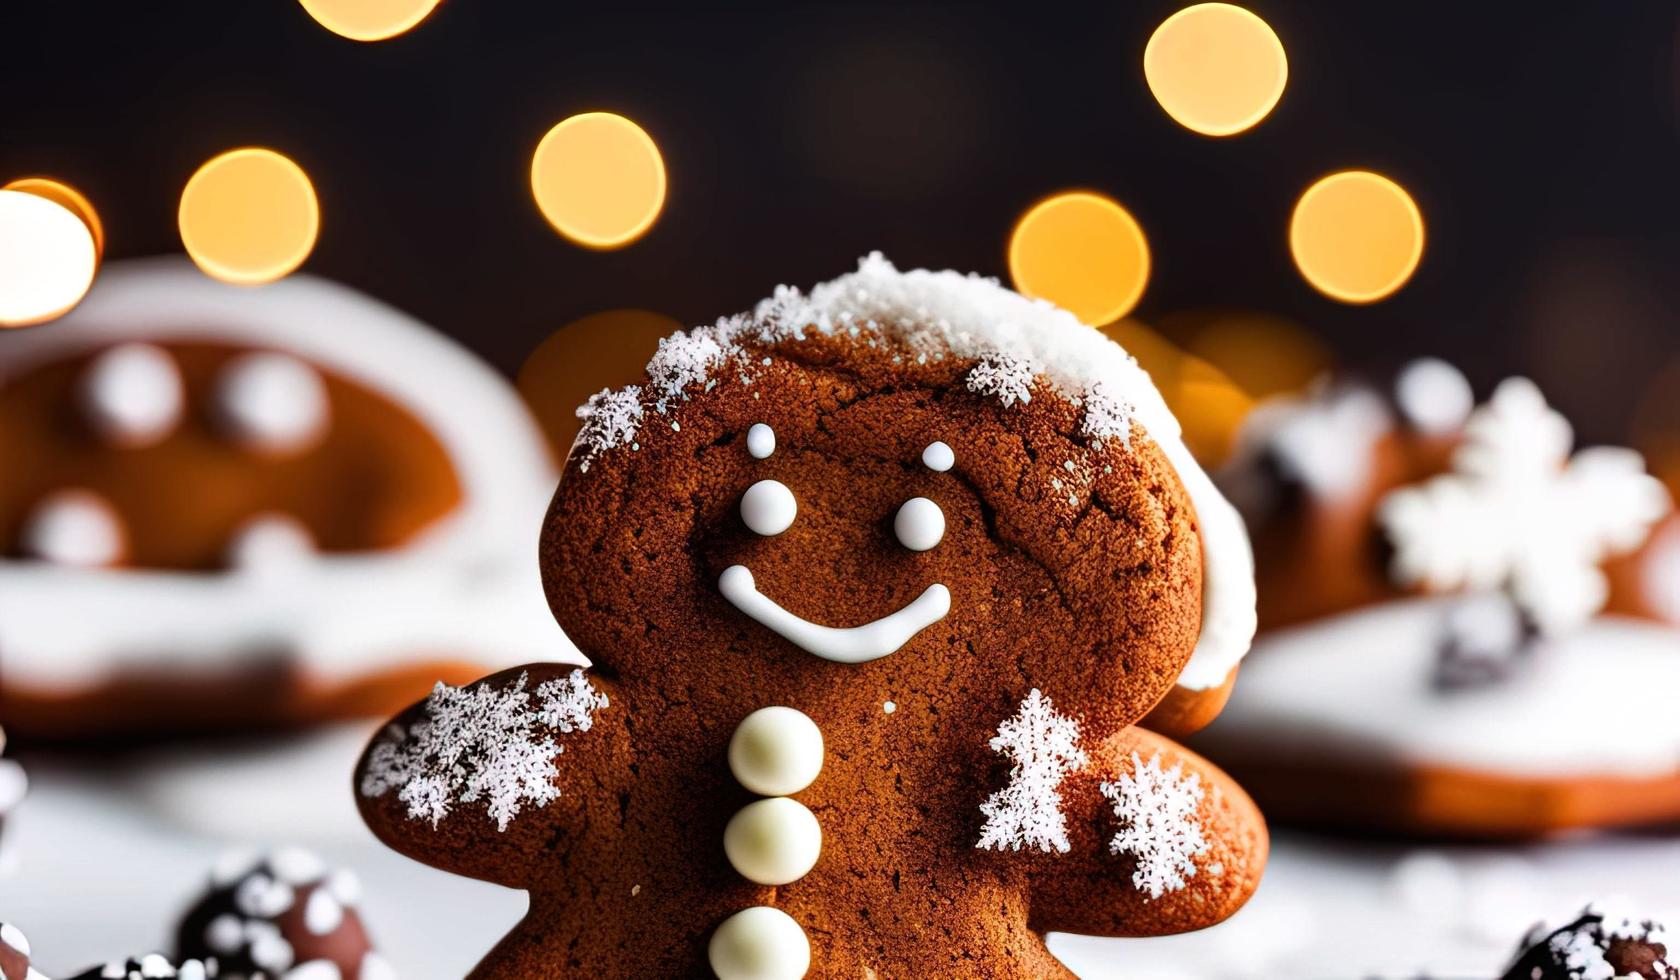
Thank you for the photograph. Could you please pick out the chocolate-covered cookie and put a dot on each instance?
(281, 915)
(1600, 942)
(876, 582)
(152, 966)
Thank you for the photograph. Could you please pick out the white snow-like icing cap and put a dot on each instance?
(1018, 344)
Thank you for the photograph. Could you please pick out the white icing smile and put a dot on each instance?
(851, 645)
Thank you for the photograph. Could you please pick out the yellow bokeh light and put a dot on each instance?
(1356, 236)
(1083, 252)
(1262, 353)
(249, 216)
(70, 199)
(1215, 68)
(1210, 407)
(47, 259)
(369, 20)
(603, 350)
(599, 179)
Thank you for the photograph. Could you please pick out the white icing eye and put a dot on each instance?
(272, 403)
(132, 394)
(761, 440)
(938, 457)
(76, 528)
(919, 524)
(270, 542)
(760, 943)
(768, 507)
(776, 751)
(773, 842)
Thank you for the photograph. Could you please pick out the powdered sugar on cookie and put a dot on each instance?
(482, 742)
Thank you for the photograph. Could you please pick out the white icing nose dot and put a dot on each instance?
(132, 394)
(760, 943)
(272, 403)
(773, 842)
(919, 524)
(776, 751)
(938, 457)
(76, 528)
(761, 440)
(768, 507)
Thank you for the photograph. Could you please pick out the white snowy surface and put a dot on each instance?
(99, 869)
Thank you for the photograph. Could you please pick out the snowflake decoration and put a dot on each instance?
(1518, 513)
(1106, 416)
(482, 743)
(1044, 747)
(1158, 824)
(1002, 376)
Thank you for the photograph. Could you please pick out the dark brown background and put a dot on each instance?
(1541, 140)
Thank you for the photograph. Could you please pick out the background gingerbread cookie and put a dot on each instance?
(1442, 666)
(876, 581)
(363, 496)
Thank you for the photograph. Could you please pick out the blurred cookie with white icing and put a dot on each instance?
(1435, 657)
(281, 916)
(228, 507)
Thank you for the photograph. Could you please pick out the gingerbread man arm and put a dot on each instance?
(457, 780)
(1203, 844)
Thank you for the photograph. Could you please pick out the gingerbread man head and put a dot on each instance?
(876, 582)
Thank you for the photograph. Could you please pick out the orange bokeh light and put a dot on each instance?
(369, 20)
(603, 350)
(1356, 236)
(249, 216)
(1216, 69)
(599, 180)
(1083, 252)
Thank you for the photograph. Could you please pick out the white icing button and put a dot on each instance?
(76, 528)
(132, 394)
(314, 970)
(889, 706)
(776, 751)
(919, 524)
(1434, 396)
(768, 507)
(773, 842)
(761, 440)
(938, 457)
(273, 403)
(376, 967)
(760, 943)
(322, 913)
(270, 542)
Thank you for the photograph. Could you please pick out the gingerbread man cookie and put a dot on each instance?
(877, 582)
(1441, 664)
(228, 507)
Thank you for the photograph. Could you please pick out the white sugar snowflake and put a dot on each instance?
(1518, 513)
(1002, 376)
(1044, 747)
(1158, 823)
(482, 743)
(610, 419)
(1106, 415)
